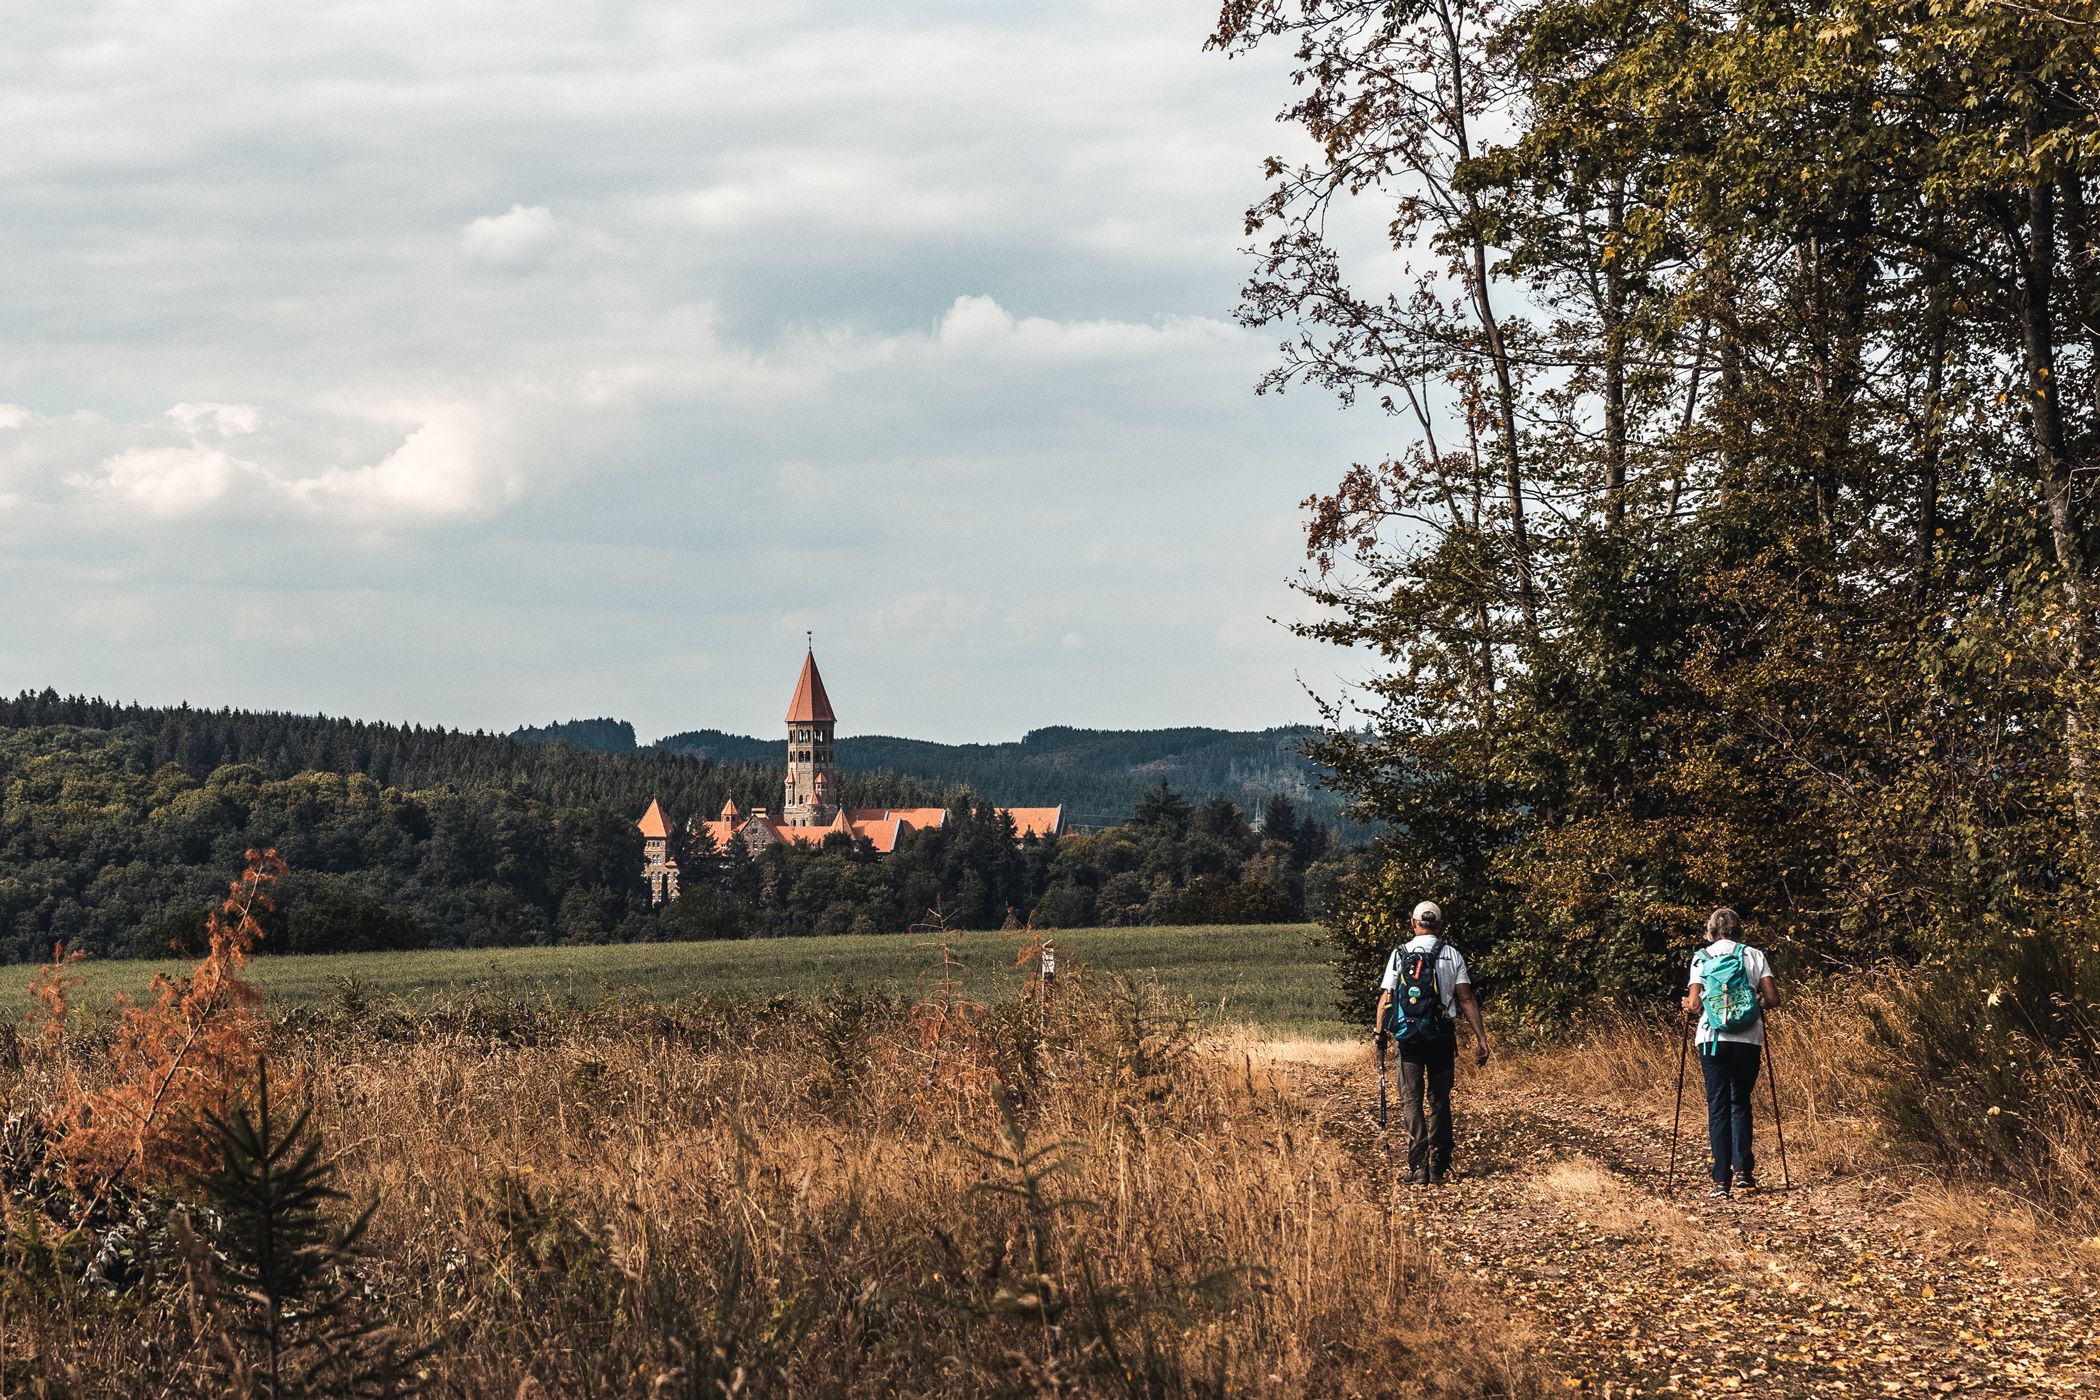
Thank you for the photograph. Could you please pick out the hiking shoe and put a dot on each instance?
(1435, 1178)
(1418, 1178)
(1719, 1193)
(1746, 1184)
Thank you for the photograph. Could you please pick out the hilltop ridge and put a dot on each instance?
(1096, 774)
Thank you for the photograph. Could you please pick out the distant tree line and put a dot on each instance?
(119, 826)
(1174, 862)
(420, 757)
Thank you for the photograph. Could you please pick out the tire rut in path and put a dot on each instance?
(1821, 1290)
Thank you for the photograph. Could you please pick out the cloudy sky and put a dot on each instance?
(483, 364)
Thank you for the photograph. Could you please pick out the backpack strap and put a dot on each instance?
(1706, 1046)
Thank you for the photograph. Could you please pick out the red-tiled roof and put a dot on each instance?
(1036, 821)
(720, 832)
(882, 827)
(810, 705)
(652, 822)
(879, 826)
(917, 818)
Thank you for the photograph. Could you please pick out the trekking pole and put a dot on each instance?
(1786, 1182)
(1684, 1045)
(1381, 1080)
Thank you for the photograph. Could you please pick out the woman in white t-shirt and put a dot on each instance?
(1728, 1059)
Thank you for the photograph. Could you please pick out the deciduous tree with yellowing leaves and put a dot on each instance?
(1737, 543)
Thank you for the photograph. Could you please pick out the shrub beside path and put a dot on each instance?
(1832, 1288)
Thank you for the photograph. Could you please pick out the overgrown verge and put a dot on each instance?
(1987, 1059)
(1972, 1072)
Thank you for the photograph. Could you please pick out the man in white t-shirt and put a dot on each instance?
(1728, 1059)
(1426, 1066)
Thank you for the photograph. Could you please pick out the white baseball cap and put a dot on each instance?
(1427, 913)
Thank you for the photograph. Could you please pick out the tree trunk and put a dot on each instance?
(1927, 527)
(1613, 319)
(2066, 534)
(1728, 331)
(1498, 352)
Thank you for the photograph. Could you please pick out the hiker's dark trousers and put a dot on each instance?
(1731, 1079)
(1425, 1091)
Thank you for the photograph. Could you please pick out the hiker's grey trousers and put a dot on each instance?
(1425, 1092)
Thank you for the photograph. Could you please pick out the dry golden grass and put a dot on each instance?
(1320, 1052)
(707, 1200)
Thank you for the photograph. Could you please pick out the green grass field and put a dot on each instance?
(1268, 975)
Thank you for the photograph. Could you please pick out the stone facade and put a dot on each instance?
(658, 866)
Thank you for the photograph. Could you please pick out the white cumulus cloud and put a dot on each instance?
(170, 481)
(510, 239)
(974, 320)
(981, 324)
(451, 466)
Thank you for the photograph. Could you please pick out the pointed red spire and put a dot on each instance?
(652, 823)
(810, 705)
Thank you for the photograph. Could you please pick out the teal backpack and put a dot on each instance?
(1727, 1000)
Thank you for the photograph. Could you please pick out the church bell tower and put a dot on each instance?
(811, 798)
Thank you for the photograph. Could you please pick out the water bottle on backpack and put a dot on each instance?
(1418, 1017)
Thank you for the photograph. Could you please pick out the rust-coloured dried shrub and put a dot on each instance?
(173, 1061)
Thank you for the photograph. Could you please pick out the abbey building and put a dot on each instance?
(809, 811)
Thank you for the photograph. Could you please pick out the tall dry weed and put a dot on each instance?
(140, 1113)
(1989, 1068)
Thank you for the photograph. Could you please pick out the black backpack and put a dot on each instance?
(1418, 1016)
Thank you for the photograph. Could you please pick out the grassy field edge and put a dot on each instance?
(1272, 976)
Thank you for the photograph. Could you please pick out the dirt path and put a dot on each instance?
(1822, 1290)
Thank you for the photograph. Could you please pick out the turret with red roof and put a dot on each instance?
(812, 771)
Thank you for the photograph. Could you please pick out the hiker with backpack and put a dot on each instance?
(1731, 989)
(1424, 986)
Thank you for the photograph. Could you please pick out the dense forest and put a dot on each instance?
(416, 757)
(120, 824)
(1738, 543)
(601, 735)
(1173, 862)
